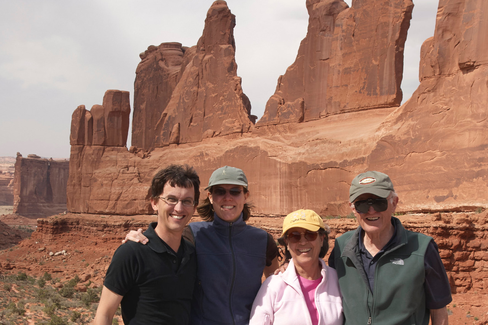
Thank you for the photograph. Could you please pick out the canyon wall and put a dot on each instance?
(461, 237)
(335, 113)
(39, 186)
(7, 167)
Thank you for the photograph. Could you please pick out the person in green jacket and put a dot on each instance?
(387, 274)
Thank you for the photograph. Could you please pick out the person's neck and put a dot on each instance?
(173, 240)
(375, 242)
(311, 271)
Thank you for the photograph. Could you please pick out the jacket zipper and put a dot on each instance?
(233, 273)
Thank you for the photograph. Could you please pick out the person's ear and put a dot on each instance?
(154, 204)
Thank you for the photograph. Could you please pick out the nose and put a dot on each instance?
(227, 195)
(179, 206)
(302, 240)
(371, 210)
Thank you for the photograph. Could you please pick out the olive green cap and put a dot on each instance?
(227, 175)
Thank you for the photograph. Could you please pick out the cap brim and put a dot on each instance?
(302, 225)
(383, 193)
(226, 182)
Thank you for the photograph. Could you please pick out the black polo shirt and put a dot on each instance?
(156, 283)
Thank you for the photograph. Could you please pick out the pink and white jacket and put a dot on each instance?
(280, 300)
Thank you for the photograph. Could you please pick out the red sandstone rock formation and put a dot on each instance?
(40, 186)
(103, 125)
(438, 139)
(156, 77)
(186, 98)
(433, 146)
(351, 59)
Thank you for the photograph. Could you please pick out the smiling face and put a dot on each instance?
(228, 207)
(172, 219)
(376, 224)
(304, 252)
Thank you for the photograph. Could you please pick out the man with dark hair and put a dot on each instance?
(387, 274)
(154, 282)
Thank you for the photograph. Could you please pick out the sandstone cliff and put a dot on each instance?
(350, 60)
(335, 114)
(39, 186)
(186, 95)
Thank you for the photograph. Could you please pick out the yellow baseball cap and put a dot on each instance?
(307, 219)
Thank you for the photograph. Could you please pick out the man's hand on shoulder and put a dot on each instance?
(281, 269)
(136, 236)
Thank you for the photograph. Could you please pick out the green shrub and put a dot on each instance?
(7, 287)
(18, 309)
(47, 277)
(67, 292)
(41, 283)
(49, 310)
(75, 315)
(21, 276)
(71, 283)
(90, 296)
(56, 320)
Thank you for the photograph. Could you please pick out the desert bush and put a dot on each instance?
(7, 287)
(21, 276)
(56, 320)
(50, 309)
(45, 294)
(41, 283)
(67, 291)
(47, 277)
(75, 315)
(18, 308)
(91, 295)
(71, 283)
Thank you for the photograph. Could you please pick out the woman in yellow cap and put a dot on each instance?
(308, 291)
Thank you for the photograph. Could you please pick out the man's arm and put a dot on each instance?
(269, 270)
(109, 302)
(439, 316)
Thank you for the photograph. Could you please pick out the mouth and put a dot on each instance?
(372, 219)
(177, 217)
(304, 250)
(227, 207)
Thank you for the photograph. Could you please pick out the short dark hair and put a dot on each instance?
(206, 211)
(323, 249)
(176, 175)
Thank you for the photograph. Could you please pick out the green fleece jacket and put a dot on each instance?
(399, 297)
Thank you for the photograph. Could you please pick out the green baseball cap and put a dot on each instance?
(371, 182)
(227, 175)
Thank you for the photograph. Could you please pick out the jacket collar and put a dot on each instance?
(352, 246)
(223, 226)
(290, 275)
(159, 246)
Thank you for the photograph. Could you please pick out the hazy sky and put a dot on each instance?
(56, 55)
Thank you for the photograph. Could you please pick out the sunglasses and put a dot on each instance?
(295, 236)
(220, 191)
(379, 205)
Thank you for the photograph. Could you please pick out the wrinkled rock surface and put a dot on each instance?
(186, 95)
(350, 60)
(433, 146)
(39, 186)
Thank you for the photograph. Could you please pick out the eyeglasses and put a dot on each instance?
(379, 205)
(220, 191)
(188, 203)
(295, 236)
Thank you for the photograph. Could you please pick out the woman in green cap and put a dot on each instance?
(232, 256)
